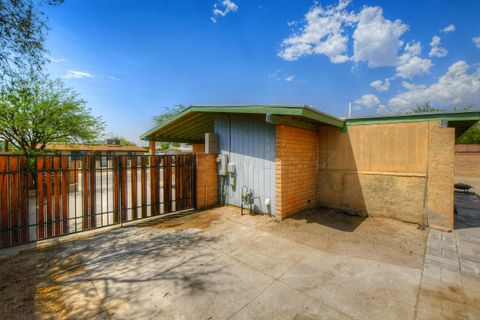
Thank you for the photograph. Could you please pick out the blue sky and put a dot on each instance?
(132, 59)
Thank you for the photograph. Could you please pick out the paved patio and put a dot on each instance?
(451, 276)
(216, 264)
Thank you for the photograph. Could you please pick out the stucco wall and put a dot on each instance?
(296, 169)
(440, 176)
(380, 170)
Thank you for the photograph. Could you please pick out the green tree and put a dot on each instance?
(23, 32)
(424, 108)
(124, 141)
(35, 111)
(471, 136)
(168, 113)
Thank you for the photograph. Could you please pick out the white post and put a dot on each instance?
(349, 109)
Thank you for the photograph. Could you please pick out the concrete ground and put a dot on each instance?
(216, 264)
(451, 276)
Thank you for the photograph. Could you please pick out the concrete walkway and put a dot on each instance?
(450, 287)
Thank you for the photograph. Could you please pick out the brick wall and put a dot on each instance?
(467, 164)
(296, 169)
(198, 148)
(467, 168)
(207, 180)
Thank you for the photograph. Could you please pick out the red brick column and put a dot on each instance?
(295, 169)
(198, 148)
(207, 180)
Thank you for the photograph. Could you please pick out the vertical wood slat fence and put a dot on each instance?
(48, 196)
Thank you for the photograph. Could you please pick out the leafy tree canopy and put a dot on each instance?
(35, 111)
(23, 32)
(424, 108)
(124, 141)
(471, 136)
(169, 112)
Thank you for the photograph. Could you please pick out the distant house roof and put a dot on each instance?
(466, 148)
(91, 147)
(190, 124)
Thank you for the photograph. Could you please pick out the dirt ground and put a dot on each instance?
(217, 264)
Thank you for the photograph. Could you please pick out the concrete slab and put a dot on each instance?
(356, 287)
(217, 264)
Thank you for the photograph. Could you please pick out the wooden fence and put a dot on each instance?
(52, 195)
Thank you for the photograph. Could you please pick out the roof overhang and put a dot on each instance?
(460, 120)
(191, 124)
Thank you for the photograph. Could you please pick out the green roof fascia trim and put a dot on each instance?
(447, 116)
(292, 110)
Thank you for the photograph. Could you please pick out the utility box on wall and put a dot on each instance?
(211, 143)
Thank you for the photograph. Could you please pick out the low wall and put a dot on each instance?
(380, 170)
(207, 180)
(296, 169)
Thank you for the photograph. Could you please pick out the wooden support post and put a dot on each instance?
(151, 147)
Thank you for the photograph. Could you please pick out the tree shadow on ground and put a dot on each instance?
(77, 279)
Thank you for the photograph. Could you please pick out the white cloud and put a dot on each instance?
(323, 34)
(280, 75)
(376, 39)
(368, 101)
(380, 85)
(436, 50)
(383, 110)
(412, 86)
(410, 64)
(458, 87)
(449, 28)
(78, 74)
(223, 7)
(435, 41)
(476, 41)
(57, 60)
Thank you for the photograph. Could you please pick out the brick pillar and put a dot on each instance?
(198, 148)
(207, 180)
(151, 147)
(295, 169)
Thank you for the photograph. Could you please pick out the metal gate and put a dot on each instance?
(46, 196)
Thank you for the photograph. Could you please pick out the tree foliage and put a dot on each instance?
(425, 108)
(168, 113)
(124, 141)
(23, 32)
(35, 111)
(471, 136)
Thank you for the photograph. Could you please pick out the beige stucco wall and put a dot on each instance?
(380, 170)
(440, 176)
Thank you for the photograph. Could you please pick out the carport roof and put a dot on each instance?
(191, 124)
